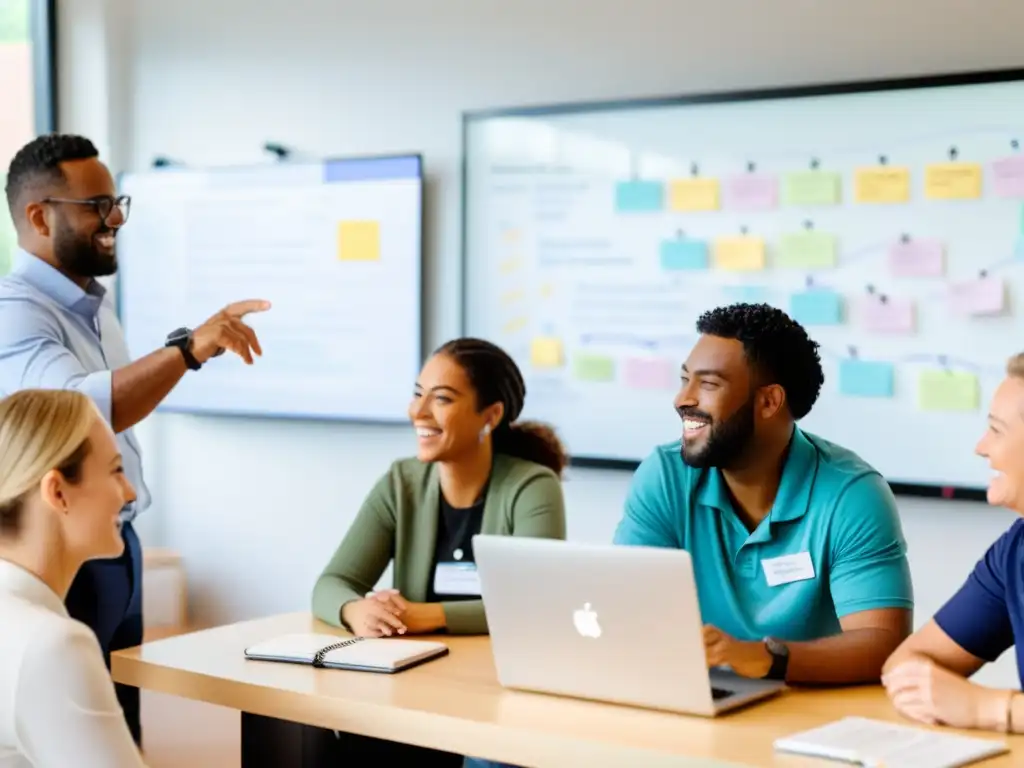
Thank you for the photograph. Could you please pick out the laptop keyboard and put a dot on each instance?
(719, 693)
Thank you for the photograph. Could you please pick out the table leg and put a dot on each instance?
(271, 743)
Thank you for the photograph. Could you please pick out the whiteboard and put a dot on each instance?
(336, 247)
(885, 217)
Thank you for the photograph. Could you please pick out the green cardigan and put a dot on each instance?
(399, 520)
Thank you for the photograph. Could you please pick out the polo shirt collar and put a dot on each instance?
(59, 286)
(16, 581)
(794, 495)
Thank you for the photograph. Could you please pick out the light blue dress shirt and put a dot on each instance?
(54, 335)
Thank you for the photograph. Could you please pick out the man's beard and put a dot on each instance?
(727, 440)
(80, 256)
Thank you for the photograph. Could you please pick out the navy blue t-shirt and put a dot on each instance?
(985, 615)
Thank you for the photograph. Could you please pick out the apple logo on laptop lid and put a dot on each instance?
(585, 620)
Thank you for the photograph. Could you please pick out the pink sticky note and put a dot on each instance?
(645, 373)
(889, 316)
(916, 258)
(750, 192)
(984, 296)
(1008, 176)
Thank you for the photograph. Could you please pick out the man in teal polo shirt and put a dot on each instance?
(797, 547)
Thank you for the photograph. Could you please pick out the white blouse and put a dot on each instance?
(57, 701)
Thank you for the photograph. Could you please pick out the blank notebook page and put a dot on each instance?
(875, 743)
(380, 653)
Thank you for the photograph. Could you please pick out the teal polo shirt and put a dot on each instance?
(834, 524)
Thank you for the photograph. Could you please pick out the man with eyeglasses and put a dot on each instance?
(58, 330)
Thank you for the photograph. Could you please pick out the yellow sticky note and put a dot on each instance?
(510, 235)
(942, 390)
(953, 181)
(806, 250)
(739, 254)
(693, 195)
(546, 352)
(358, 241)
(547, 290)
(882, 184)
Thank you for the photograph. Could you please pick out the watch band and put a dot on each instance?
(182, 339)
(779, 652)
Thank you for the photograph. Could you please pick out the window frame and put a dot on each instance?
(43, 39)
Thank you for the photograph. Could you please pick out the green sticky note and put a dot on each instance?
(593, 368)
(806, 250)
(941, 390)
(811, 188)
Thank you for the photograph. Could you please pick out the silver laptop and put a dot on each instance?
(610, 623)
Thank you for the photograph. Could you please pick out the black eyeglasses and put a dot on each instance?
(103, 205)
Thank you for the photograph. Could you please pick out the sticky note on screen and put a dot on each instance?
(750, 192)
(639, 196)
(882, 184)
(942, 390)
(546, 352)
(811, 188)
(358, 241)
(590, 367)
(917, 258)
(890, 316)
(739, 254)
(953, 181)
(806, 250)
(866, 378)
(983, 296)
(1008, 176)
(684, 254)
(693, 194)
(650, 373)
(818, 306)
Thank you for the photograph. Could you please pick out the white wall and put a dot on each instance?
(256, 507)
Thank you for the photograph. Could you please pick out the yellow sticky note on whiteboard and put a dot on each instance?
(693, 195)
(358, 241)
(953, 181)
(546, 352)
(882, 184)
(739, 254)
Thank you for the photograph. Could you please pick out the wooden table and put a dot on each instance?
(455, 704)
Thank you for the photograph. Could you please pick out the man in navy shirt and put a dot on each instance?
(926, 677)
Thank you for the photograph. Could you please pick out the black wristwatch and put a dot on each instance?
(780, 658)
(182, 339)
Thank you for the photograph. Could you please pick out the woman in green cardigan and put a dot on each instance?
(477, 471)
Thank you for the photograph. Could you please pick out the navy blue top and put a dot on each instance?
(985, 615)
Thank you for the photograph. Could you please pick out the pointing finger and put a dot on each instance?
(241, 308)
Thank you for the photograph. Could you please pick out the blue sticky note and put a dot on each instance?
(818, 306)
(684, 254)
(636, 196)
(866, 378)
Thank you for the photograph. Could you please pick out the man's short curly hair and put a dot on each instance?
(776, 346)
(37, 165)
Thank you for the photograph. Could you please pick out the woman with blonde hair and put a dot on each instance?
(62, 488)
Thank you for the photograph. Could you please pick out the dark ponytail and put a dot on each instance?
(497, 379)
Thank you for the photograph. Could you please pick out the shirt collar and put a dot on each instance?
(794, 495)
(15, 580)
(58, 286)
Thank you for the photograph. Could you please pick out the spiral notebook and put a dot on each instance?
(364, 654)
(867, 742)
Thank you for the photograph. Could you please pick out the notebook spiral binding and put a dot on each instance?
(318, 659)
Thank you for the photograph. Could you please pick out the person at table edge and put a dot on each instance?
(477, 470)
(926, 678)
(797, 546)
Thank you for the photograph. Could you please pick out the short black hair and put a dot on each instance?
(776, 346)
(37, 164)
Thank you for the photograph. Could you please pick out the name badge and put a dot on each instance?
(788, 568)
(456, 579)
